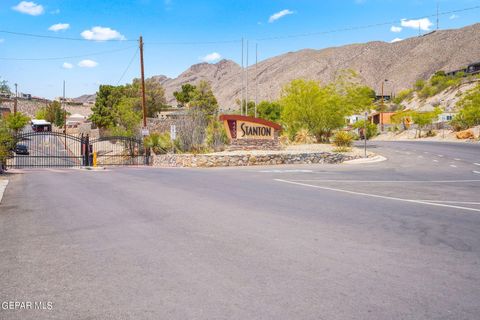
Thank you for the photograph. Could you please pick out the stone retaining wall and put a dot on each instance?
(222, 160)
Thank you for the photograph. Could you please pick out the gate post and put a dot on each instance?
(86, 151)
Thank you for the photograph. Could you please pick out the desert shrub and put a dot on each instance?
(372, 129)
(469, 105)
(159, 143)
(342, 139)
(303, 136)
(216, 136)
(430, 133)
(403, 95)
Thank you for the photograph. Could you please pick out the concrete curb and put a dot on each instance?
(366, 160)
(3, 187)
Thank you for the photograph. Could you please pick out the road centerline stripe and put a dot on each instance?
(378, 196)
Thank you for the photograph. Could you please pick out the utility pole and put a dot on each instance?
(142, 71)
(256, 78)
(438, 19)
(383, 99)
(246, 84)
(243, 75)
(15, 101)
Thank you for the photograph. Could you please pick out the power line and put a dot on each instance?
(33, 35)
(68, 57)
(128, 66)
(238, 40)
(364, 26)
(193, 42)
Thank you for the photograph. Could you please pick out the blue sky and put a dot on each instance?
(165, 23)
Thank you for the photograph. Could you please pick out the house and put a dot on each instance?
(75, 120)
(445, 117)
(354, 119)
(381, 119)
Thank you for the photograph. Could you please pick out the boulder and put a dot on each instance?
(466, 134)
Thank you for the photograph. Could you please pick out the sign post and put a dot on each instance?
(365, 132)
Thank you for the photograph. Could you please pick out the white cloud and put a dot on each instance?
(67, 65)
(396, 29)
(424, 24)
(87, 64)
(59, 27)
(274, 17)
(396, 40)
(29, 7)
(211, 57)
(453, 17)
(102, 34)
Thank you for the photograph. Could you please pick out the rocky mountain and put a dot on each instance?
(86, 99)
(401, 63)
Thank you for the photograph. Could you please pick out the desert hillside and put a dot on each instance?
(401, 63)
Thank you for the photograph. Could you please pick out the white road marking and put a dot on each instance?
(440, 155)
(379, 196)
(426, 152)
(386, 181)
(3, 187)
(453, 166)
(477, 172)
(420, 156)
(460, 202)
(435, 160)
(286, 171)
(457, 159)
(477, 164)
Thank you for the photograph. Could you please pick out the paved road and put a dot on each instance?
(393, 240)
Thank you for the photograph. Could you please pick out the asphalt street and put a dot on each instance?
(399, 239)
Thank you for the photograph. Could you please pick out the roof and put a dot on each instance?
(40, 122)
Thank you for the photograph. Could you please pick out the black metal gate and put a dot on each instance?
(47, 149)
(56, 149)
(118, 151)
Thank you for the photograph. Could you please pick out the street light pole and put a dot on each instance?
(142, 71)
(64, 116)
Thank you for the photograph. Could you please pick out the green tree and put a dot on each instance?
(154, 96)
(424, 119)
(320, 109)
(127, 119)
(185, 95)
(4, 87)
(53, 113)
(267, 110)
(469, 106)
(204, 99)
(7, 143)
(103, 113)
(16, 122)
(372, 129)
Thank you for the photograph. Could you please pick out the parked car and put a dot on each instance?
(21, 149)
